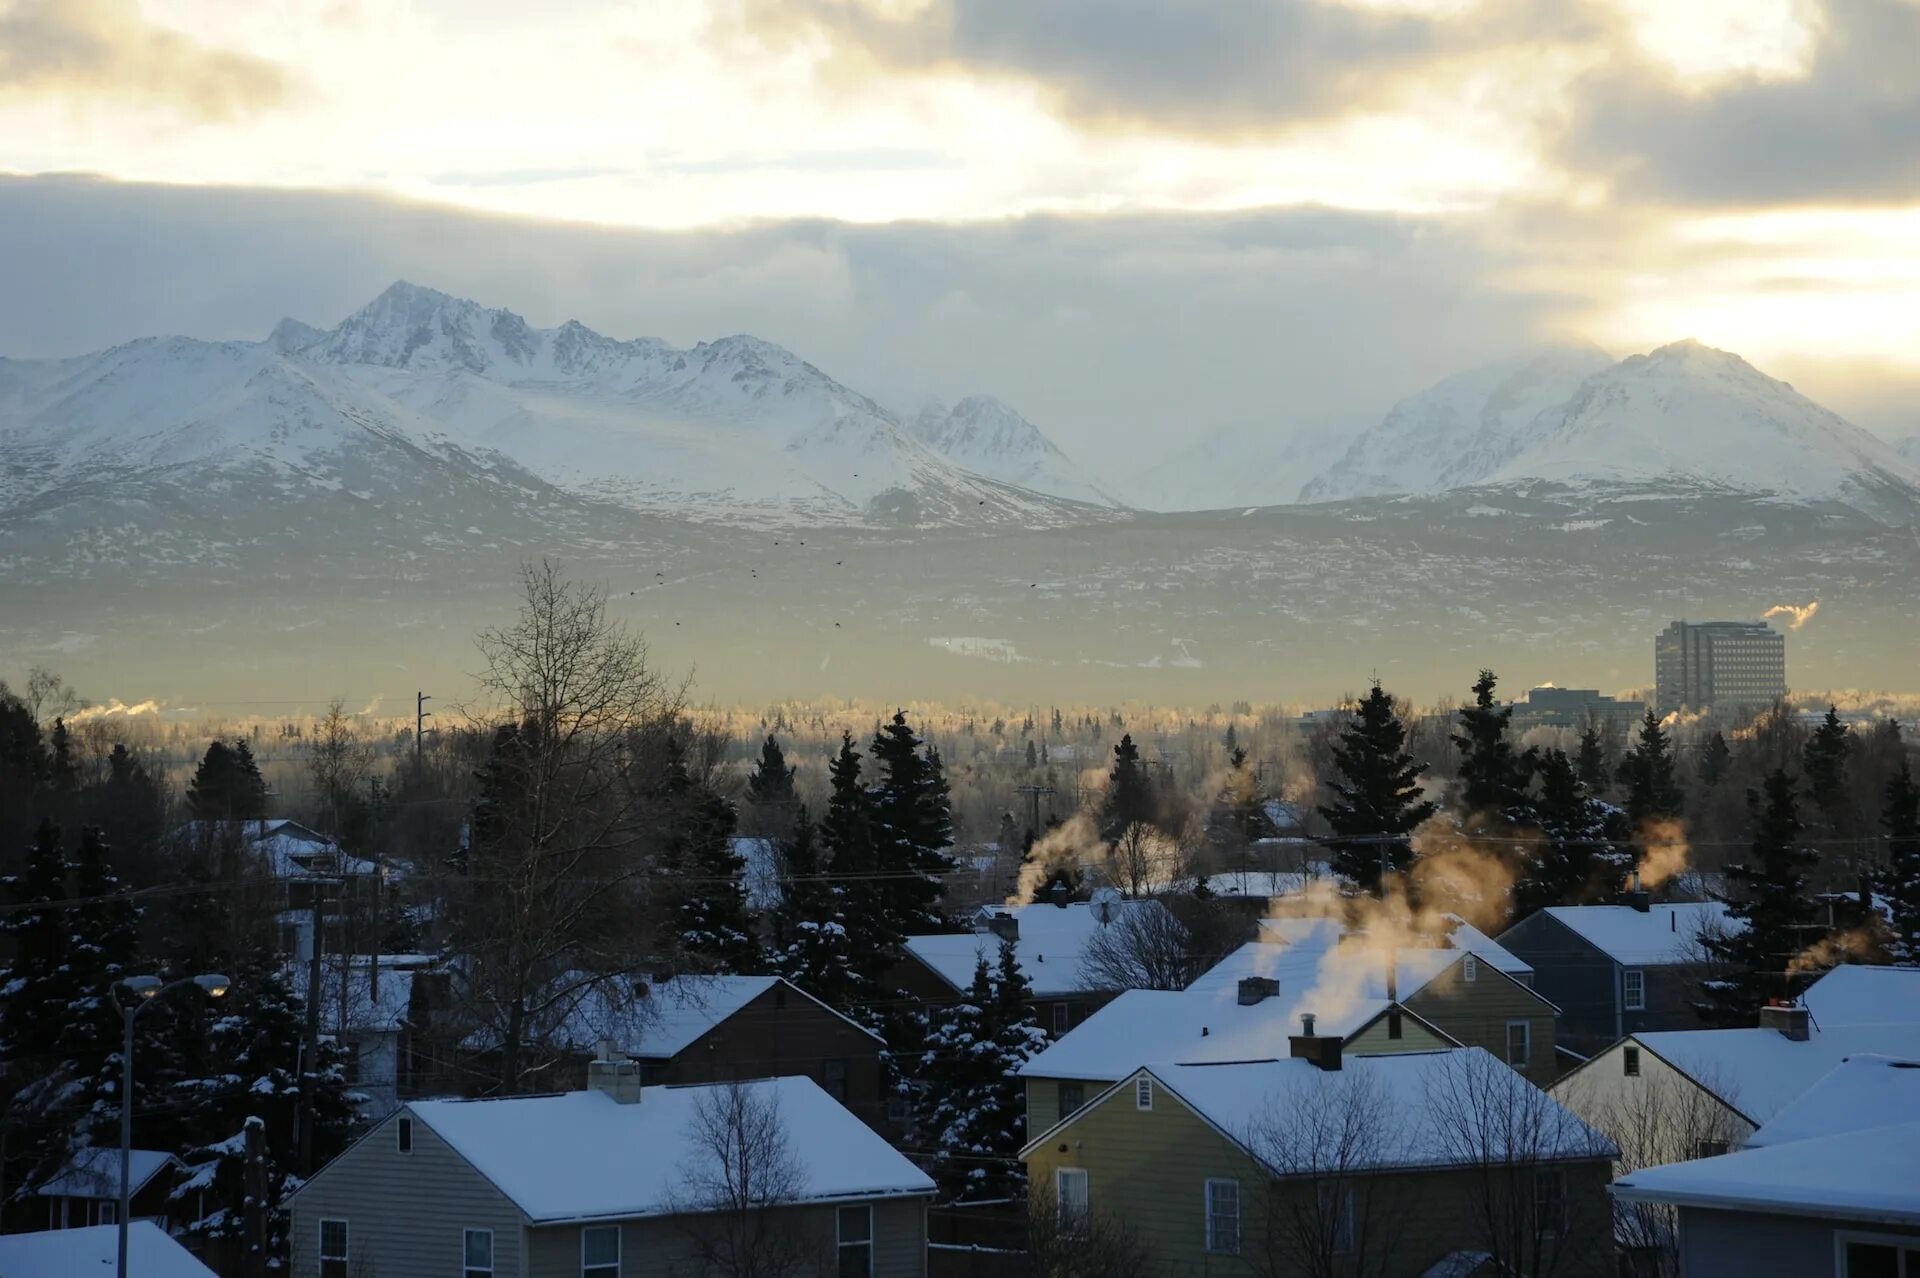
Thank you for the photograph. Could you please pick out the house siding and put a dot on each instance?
(1148, 1169)
(1372, 1039)
(406, 1213)
(665, 1248)
(1601, 1088)
(1477, 1013)
(1733, 1244)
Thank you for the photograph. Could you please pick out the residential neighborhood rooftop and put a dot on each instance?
(95, 1173)
(78, 1253)
(1869, 1175)
(1761, 1071)
(582, 1155)
(1051, 939)
(1667, 933)
(1862, 1091)
(1859, 994)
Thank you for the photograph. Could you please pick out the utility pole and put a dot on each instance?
(420, 714)
(310, 1066)
(256, 1183)
(1033, 793)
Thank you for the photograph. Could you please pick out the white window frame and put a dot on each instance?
(1071, 1224)
(1216, 1244)
(1630, 1059)
(346, 1245)
(841, 1244)
(467, 1268)
(1470, 968)
(1901, 1246)
(1143, 1092)
(1061, 1017)
(403, 1134)
(1633, 989)
(600, 1269)
(1526, 1044)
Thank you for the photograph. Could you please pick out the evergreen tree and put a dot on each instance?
(715, 929)
(912, 829)
(1238, 816)
(1647, 773)
(1033, 755)
(64, 769)
(227, 785)
(812, 945)
(1771, 896)
(846, 838)
(1824, 758)
(1377, 801)
(35, 995)
(1493, 776)
(1129, 797)
(771, 781)
(974, 1104)
(1591, 761)
(1579, 859)
(1900, 881)
(1715, 756)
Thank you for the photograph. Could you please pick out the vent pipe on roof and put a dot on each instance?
(1323, 1052)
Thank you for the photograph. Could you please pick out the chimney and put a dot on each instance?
(1058, 895)
(1254, 989)
(1004, 926)
(611, 1072)
(1393, 977)
(1788, 1019)
(1640, 901)
(1324, 1052)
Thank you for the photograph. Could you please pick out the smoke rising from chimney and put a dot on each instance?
(1800, 614)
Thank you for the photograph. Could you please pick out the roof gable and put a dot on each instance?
(1868, 1175)
(1665, 935)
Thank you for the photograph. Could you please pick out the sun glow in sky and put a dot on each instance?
(1742, 171)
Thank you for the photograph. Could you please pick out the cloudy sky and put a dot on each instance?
(1134, 219)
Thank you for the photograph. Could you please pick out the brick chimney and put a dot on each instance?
(612, 1073)
(1004, 926)
(1058, 895)
(1255, 989)
(1788, 1019)
(1324, 1052)
(1638, 900)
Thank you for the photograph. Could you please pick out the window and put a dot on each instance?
(1223, 1216)
(1630, 1061)
(600, 1251)
(403, 1135)
(1877, 1256)
(333, 1249)
(1336, 1205)
(856, 1241)
(1072, 1097)
(1550, 1202)
(835, 1075)
(478, 1249)
(1070, 1195)
(1469, 968)
(108, 1213)
(1059, 1019)
(1709, 1148)
(1519, 1044)
(1143, 1092)
(1633, 989)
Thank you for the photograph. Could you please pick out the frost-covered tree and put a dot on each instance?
(1377, 801)
(1770, 895)
(1900, 881)
(974, 1109)
(811, 944)
(912, 828)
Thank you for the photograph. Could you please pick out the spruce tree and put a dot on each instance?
(1591, 761)
(1377, 800)
(811, 943)
(771, 781)
(1824, 758)
(1647, 774)
(64, 768)
(1769, 893)
(35, 996)
(1900, 881)
(227, 785)
(1493, 775)
(1715, 756)
(846, 838)
(706, 875)
(1129, 797)
(1580, 858)
(973, 1103)
(912, 829)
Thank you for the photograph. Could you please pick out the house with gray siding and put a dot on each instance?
(1615, 970)
(617, 1181)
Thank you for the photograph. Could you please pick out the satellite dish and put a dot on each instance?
(1105, 901)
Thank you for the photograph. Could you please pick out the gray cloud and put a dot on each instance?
(108, 49)
(1119, 335)
(1847, 131)
(1208, 67)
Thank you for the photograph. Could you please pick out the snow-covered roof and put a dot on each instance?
(1207, 1022)
(1856, 994)
(1760, 1071)
(1868, 1175)
(95, 1173)
(1321, 931)
(1270, 883)
(1862, 1091)
(583, 1154)
(68, 1253)
(1052, 939)
(1665, 934)
(288, 849)
(1411, 1094)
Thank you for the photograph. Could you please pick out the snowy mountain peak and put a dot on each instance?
(290, 335)
(989, 438)
(412, 326)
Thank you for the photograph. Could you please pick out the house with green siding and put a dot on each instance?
(617, 1181)
(1420, 1162)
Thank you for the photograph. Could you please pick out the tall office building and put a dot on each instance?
(1718, 665)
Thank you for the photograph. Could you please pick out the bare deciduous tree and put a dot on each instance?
(1327, 1211)
(553, 904)
(1142, 859)
(1516, 1147)
(1094, 1244)
(49, 696)
(1143, 947)
(338, 762)
(739, 1179)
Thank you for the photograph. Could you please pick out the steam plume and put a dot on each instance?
(114, 709)
(1801, 614)
(1667, 851)
(1075, 845)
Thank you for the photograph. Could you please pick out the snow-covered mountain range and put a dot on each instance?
(989, 438)
(733, 430)
(1683, 418)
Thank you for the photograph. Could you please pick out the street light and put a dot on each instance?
(142, 990)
